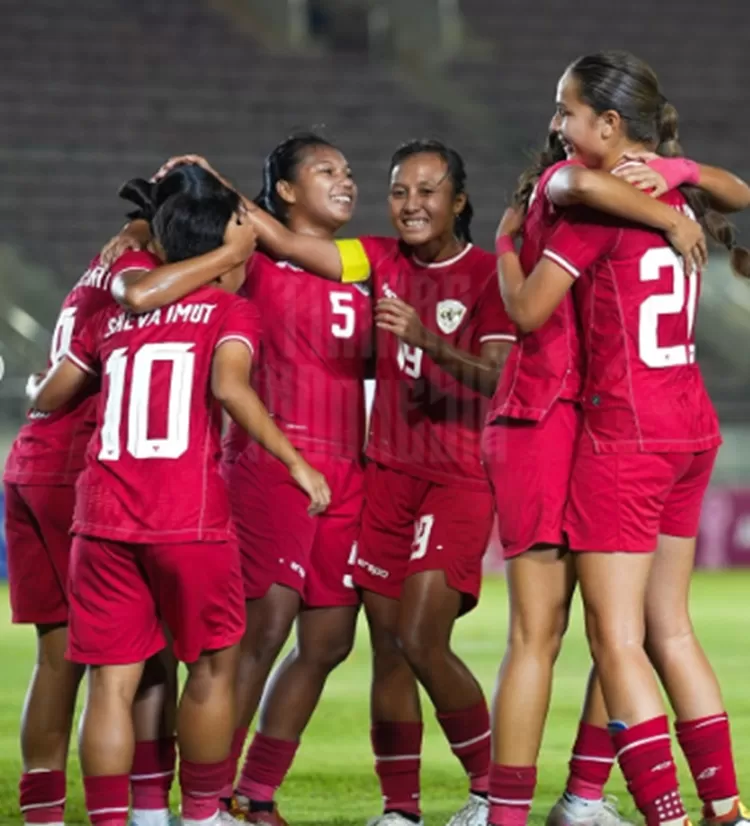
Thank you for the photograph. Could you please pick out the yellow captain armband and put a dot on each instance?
(355, 265)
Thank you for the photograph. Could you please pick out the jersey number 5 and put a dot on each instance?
(138, 443)
(341, 305)
(682, 300)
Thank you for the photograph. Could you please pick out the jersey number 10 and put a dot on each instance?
(682, 300)
(138, 444)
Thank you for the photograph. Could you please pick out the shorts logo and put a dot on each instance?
(450, 313)
(373, 570)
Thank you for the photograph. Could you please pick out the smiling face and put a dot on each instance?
(323, 191)
(422, 201)
(585, 135)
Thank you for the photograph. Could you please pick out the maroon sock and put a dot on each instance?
(238, 743)
(591, 762)
(468, 733)
(398, 755)
(201, 784)
(707, 746)
(511, 793)
(107, 799)
(42, 796)
(152, 773)
(266, 765)
(645, 755)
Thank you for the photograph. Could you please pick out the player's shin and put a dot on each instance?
(106, 742)
(205, 724)
(45, 728)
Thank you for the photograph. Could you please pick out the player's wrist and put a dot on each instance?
(504, 244)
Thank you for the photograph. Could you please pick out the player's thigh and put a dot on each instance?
(540, 588)
(37, 528)
(329, 582)
(197, 587)
(682, 509)
(616, 500)
(113, 617)
(274, 530)
(452, 532)
(387, 532)
(529, 465)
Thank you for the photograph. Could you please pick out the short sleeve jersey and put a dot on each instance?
(546, 364)
(310, 372)
(644, 391)
(425, 422)
(152, 466)
(50, 448)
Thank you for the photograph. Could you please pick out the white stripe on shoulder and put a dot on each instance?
(562, 262)
(79, 363)
(498, 337)
(236, 337)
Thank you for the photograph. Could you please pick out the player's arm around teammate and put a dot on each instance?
(206, 716)
(592, 126)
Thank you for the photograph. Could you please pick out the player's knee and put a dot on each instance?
(329, 652)
(214, 671)
(538, 633)
(664, 644)
(422, 646)
(263, 643)
(612, 637)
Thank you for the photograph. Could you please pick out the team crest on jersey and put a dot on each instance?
(450, 313)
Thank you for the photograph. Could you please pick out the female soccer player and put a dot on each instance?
(644, 459)
(40, 474)
(532, 429)
(311, 377)
(441, 341)
(194, 354)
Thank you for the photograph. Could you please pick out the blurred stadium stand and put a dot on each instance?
(94, 95)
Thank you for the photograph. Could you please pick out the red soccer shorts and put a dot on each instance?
(529, 465)
(623, 501)
(410, 525)
(280, 543)
(120, 593)
(37, 530)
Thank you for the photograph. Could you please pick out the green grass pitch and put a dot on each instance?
(332, 781)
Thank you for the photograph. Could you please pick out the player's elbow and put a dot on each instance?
(133, 298)
(225, 390)
(571, 185)
(526, 318)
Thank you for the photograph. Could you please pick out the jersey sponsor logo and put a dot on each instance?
(450, 313)
(373, 570)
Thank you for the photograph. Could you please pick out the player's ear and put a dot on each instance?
(285, 191)
(610, 123)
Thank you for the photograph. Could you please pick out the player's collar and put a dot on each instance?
(437, 264)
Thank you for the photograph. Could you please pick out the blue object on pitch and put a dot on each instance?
(613, 726)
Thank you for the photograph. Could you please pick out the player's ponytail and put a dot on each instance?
(189, 179)
(140, 193)
(716, 225)
(282, 165)
(552, 153)
(456, 172)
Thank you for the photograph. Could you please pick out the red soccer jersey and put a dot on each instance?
(311, 368)
(546, 365)
(152, 465)
(643, 390)
(424, 422)
(50, 448)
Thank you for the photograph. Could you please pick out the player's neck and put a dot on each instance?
(304, 227)
(440, 249)
(617, 154)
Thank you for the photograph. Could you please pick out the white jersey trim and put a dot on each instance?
(438, 264)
